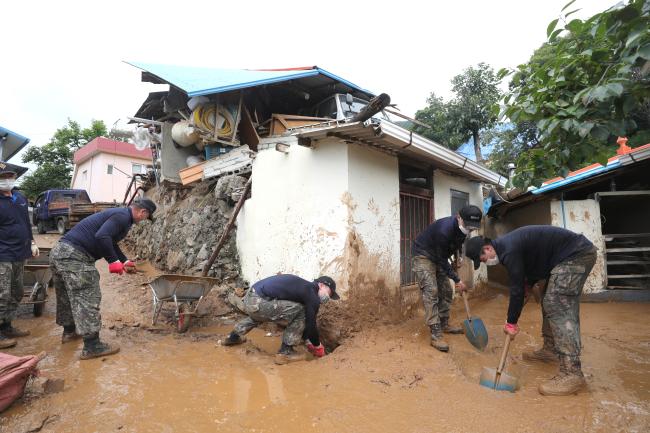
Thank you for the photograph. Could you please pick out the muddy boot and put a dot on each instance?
(437, 340)
(569, 381)
(6, 342)
(10, 332)
(233, 339)
(449, 329)
(287, 354)
(545, 354)
(93, 348)
(69, 334)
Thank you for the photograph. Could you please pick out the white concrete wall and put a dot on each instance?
(100, 185)
(331, 210)
(443, 183)
(583, 216)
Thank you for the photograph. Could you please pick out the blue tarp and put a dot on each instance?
(204, 81)
(10, 143)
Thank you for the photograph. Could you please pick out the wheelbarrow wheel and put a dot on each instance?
(184, 319)
(38, 308)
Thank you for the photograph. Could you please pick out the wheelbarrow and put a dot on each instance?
(185, 291)
(37, 277)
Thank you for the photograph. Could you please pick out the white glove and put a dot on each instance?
(35, 251)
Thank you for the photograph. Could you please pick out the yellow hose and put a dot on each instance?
(205, 116)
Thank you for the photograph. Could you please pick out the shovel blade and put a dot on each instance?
(505, 382)
(476, 333)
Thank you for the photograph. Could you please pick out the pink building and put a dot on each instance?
(104, 168)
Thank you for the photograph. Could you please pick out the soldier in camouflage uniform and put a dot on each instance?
(564, 259)
(290, 301)
(76, 279)
(15, 239)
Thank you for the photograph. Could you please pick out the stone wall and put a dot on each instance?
(187, 227)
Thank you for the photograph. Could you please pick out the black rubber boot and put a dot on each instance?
(10, 332)
(69, 334)
(93, 348)
(287, 354)
(233, 339)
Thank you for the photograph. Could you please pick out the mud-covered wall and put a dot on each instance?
(188, 224)
(583, 216)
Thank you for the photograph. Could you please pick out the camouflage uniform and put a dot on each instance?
(76, 282)
(561, 306)
(11, 289)
(437, 293)
(259, 310)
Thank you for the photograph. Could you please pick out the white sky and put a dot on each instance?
(64, 58)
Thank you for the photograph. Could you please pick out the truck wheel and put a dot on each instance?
(40, 226)
(60, 226)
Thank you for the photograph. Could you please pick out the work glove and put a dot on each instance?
(35, 251)
(116, 268)
(511, 329)
(461, 287)
(129, 267)
(317, 351)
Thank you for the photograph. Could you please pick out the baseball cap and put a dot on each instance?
(147, 204)
(473, 247)
(329, 283)
(17, 170)
(471, 216)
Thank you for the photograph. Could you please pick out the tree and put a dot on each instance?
(510, 141)
(54, 159)
(591, 87)
(472, 110)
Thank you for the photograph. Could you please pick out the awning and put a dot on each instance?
(10, 143)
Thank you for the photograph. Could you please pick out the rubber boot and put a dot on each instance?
(233, 339)
(287, 354)
(569, 381)
(10, 332)
(449, 329)
(6, 342)
(93, 348)
(69, 334)
(437, 339)
(544, 354)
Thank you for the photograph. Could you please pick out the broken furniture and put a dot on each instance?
(36, 279)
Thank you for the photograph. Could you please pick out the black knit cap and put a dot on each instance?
(147, 204)
(473, 248)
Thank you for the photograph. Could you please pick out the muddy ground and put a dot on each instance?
(386, 378)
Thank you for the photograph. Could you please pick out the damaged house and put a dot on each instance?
(331, 193)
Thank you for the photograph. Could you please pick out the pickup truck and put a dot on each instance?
(61, 209)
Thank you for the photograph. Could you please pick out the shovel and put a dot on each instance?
(497, 379)
(474, 328)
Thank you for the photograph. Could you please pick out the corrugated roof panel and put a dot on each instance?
(10, 143)
(196, 81)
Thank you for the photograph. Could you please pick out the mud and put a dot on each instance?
(383, 378)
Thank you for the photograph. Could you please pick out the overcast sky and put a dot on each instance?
(64, 59)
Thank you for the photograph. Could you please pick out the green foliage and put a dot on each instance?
(472, 109)
(54, 159)
(587, 85)
(510, 141)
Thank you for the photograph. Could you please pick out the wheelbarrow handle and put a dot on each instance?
(469, 315)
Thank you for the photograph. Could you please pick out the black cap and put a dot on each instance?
(471, 216)
(329, 283)
(473, 248)
(17, 170)
(147, 204)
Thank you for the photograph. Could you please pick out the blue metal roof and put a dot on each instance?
(10, 143)
(197, 81)
(572, 179)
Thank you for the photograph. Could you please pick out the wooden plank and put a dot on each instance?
(281, 122)
(247, 131)
(627, 250)
(191, 174)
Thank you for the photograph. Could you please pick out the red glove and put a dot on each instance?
(129, 266)
(116, 268)
(511, 329)
(317, 351)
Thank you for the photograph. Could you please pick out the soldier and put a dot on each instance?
(76, 279)
(15, 239)
(289, 300)
(565, 260)
(431, 253)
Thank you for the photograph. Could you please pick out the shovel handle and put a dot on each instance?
(469, 315)
(504, 354)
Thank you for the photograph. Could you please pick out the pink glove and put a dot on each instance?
(317, 351)
(116, 268)
(511, 329)
(129, 266)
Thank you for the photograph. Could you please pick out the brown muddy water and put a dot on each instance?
(386, 379)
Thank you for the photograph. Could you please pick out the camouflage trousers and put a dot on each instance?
(561, 305)
(11, 289)
(436, 290)
(76, 282)
(287, 313)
